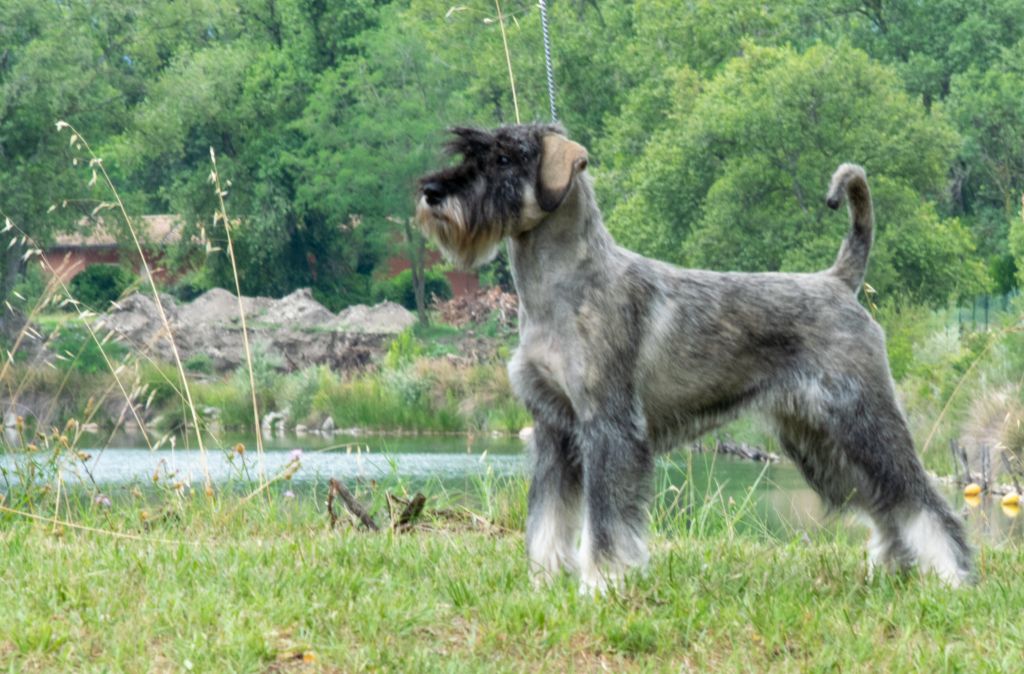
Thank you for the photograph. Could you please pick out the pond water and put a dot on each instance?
(778, 498)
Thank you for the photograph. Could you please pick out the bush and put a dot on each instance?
(297, 392)
(101, 284)
(403, 350)
(32, 286)
(78, 351)
(399, 288)
(192, 285)
(200, 363)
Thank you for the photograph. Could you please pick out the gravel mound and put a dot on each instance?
(295, 331)
(386, 318)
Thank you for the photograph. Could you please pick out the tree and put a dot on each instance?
(737, 182)
(989, 107)
(930, 42)
(374, 125)
(51, 67)
(242, 95)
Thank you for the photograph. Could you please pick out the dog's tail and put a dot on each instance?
(851, 264)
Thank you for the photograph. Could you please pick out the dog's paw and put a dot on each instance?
(597, 580)
(545, 568)
(600, 585)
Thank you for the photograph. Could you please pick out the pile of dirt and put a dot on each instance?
(215, 307)
(136, 321)
(299, 309)
(220, 307)
(294, 331)
(479, 307)
(385, 318)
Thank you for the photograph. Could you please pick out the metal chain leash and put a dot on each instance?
(547, 58)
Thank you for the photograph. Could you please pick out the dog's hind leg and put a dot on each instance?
(618, 468)
(912, 523)
(859, 452)
(554, 503)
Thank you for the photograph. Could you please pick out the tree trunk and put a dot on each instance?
(10, 320)
(12, 269)
(417, 263)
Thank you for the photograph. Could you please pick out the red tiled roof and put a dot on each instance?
(161, 230)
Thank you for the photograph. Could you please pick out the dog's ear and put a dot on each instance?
(560, 161)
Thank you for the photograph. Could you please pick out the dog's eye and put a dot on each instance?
(503, 159)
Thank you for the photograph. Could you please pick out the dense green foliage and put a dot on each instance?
(713, 125)
(100, 284)
(399, 288)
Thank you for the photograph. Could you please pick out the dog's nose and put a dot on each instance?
(433, 192)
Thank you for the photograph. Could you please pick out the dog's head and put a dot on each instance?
(508, 181)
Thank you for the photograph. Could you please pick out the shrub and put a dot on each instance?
(32, 286)
(192, 285)
(403, 350)
(906, 325)
(160, 383)
(101, 284)
(297, 392)
(200, 363)
(77, 350)
(400, 289)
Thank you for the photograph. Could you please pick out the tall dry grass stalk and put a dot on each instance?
(115, 370)
(508, 59)
(96, 163)
(26, 330)
(54, 283)
(49, 295)
(994, 422)
(993, 339)
(223, 216)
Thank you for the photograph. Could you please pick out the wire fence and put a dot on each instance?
(983, 312)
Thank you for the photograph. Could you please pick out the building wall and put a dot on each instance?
(462, 282)
(68, 262)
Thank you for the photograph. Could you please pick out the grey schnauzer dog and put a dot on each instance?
(622, 357)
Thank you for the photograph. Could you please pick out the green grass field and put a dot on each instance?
(225, 585)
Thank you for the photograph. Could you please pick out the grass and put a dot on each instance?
(258, 586)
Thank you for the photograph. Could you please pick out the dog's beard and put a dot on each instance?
(465, 245)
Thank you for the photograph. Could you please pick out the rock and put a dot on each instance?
(272, 421)
(327, 426)
(526, 433)
(301, 430)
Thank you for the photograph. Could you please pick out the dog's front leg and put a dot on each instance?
(553, 519)
(617, 474)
